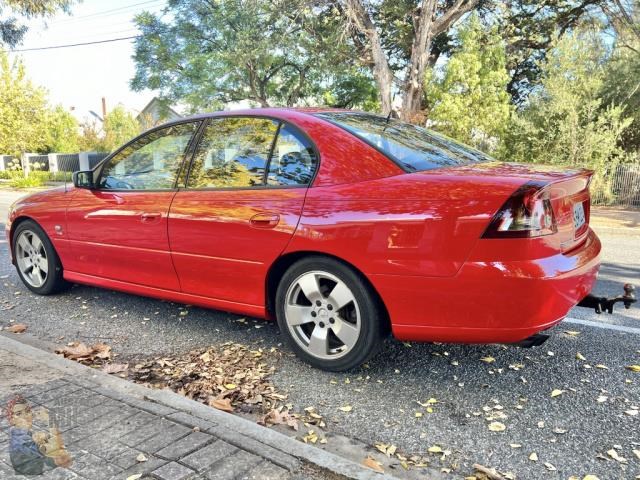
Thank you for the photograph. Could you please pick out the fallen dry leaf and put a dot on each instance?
(373, 464)
(486, 472)
(346, 408)
(579, 356)
(434, 449)
(135, 476)
(572, 333)
(141, 458)
(634, 368)
(102, 350)
(17, 328)
(488, 359)
(115, 367)
(497, 427)
(223, 404)
(613, 454)
(533, 457)
(637, 453)
(279, 417)
(557, 393)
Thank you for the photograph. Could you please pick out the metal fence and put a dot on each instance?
(5, 162)
(69, 162)
(620, 189)
(53, 162)
(95, 158)
(36, 162)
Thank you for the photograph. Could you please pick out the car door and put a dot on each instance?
(242, 202)
(118, 230)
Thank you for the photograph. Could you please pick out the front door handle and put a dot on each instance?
(265, 220)
(150, 217)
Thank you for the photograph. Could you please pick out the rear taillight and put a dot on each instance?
(527, 213)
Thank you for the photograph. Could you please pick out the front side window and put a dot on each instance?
(233, 152)
(151, 162)
(413, 148)
(294, 160)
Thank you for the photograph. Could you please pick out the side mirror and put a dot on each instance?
(83, 179)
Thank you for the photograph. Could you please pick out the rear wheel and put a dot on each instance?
(36, 260)
(331, 317)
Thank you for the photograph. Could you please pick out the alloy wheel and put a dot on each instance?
(31, 258)
(322, 315)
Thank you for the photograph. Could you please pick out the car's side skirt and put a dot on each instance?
(206, 302)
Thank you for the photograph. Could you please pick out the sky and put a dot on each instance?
(80, 76)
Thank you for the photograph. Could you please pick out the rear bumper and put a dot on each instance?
(490, 302)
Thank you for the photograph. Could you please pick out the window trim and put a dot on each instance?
(265, 186)
(188, 153)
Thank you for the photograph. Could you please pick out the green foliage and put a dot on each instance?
(566, 121)
(285, 53)
(119, 127)
(11, 30)
(621, 86)
(469, 101)
(23, 110)
(91, 137)
(62, 131)
(32, 179)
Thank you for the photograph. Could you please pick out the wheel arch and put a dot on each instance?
(14, 225)
(283, 262)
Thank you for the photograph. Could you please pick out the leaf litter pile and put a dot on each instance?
(230, 377)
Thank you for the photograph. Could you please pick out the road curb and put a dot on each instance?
(256, 434)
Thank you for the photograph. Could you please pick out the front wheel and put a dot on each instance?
(36, 260)
(330, 316)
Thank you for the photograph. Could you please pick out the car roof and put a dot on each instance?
(276, 112)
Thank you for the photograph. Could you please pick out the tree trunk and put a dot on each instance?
(382, 74)
(427, 27)
(414, 82)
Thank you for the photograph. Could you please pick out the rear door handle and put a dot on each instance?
(150, 217)
(265, 220)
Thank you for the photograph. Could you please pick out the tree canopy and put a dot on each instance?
(271, 53)
(468, 100)
(23, 110)
(12, 30)
(119, 127)
(566, 121)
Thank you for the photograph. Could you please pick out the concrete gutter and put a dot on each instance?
(23, 346)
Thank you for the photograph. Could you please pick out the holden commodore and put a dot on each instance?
(342, 226)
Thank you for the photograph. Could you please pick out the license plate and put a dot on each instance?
(578, 215)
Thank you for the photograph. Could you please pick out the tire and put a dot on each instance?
(330, 316)
(34, 253)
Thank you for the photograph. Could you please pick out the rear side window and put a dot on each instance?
(233, 152)
(242, 152)
(413, 148)
(293, 161)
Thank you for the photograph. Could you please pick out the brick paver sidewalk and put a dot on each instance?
(111, 435)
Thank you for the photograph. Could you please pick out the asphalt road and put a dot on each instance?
(570, 433)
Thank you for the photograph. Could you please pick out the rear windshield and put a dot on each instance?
(413, 148)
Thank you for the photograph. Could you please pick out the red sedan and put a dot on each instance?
(343, 226)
